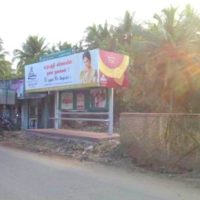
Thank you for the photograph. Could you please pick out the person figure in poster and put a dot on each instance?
(99, 99)
(102, 100)
(88, 74)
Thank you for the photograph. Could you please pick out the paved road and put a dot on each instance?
(27, 176)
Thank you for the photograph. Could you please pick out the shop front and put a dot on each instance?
(77, 87)
(10, 101)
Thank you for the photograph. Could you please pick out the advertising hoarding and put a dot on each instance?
(94, 68)
(61, 73)
(113, 69)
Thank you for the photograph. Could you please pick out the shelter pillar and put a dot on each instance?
(111, 104)
(56, 111)
(24, 114)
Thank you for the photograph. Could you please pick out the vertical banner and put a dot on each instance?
(98, 98)
(18, 86)
(80, 101)
(66, 101)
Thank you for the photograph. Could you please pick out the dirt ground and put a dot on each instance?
(107, 152)
(103, 152)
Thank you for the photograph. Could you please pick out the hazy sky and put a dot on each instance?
(63, 20)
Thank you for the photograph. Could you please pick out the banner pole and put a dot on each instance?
(111, 105)
(56, 110)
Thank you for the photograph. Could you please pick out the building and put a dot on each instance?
(76, 87)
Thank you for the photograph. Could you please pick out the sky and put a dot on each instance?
(62, 20)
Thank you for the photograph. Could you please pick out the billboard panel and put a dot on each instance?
(74, 71)
(113, 69)
(87, 69)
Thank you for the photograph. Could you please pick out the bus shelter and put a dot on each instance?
(78, 87)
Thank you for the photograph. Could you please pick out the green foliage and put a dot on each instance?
(98, 36)
(31, 50)
(5, 65)
(60, 46)
(164, 60)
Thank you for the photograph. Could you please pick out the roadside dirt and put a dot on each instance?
(106, 152)
(103, 152)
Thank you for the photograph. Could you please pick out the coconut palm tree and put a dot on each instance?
(5, 65)
(100, 36)
(60, 46)
(32, 49)
(172, 43)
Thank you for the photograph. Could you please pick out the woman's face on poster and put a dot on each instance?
(86, 62)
